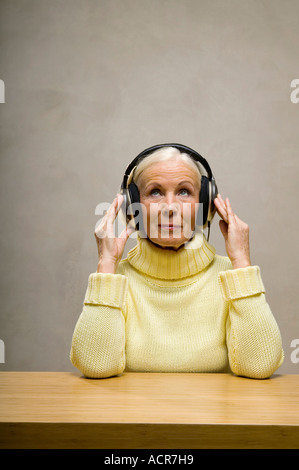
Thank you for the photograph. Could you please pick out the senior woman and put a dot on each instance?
(173, 304)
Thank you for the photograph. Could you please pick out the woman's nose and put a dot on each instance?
(169, 204)
(169, 199)
(166, 209)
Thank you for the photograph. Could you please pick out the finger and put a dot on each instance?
(221, 212)
(113, 210)
(221, 208)
(230, 214)
(219, 197)
(106, 223)
(119, 202)
(99, 226)
(223, 227)
(222, 203)
(127, 232)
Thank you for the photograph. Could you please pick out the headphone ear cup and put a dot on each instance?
(134, 199)
(204, 199)
(125, 203)
(214, 192)
(130, 195)
(134, 192)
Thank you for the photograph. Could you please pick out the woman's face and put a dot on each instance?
(169, 193)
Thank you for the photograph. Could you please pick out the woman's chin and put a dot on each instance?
(170, 241)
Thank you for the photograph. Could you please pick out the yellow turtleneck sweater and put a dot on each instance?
(176, 311)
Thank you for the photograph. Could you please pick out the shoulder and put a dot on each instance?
(221, 263)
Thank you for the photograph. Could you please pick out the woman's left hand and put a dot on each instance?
(235, 233)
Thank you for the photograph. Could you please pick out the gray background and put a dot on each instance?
(88, 85)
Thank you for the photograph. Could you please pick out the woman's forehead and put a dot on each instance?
(169, 168)
(176, 170)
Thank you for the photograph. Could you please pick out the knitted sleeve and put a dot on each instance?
(98, 343)
(253, 337)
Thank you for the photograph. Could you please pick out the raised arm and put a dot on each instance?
(253, 337)
(252, 334)
(98, 343)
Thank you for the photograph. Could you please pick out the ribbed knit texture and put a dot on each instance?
(176, 311)
(164, 263)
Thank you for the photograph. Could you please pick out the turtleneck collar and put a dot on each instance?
(164, 263)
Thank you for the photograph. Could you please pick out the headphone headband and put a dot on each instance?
(182, 148)
(208, 190)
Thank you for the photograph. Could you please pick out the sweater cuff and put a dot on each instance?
(241, 282)
(106, 289)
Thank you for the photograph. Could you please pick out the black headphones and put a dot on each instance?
(208, 190)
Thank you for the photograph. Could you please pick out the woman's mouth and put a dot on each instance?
(169, 227)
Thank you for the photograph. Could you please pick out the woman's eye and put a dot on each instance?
(154, 190)
(186, 190)
(157, 190)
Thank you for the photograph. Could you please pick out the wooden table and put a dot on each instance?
(147, 411)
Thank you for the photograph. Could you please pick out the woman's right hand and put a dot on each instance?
(111, 248)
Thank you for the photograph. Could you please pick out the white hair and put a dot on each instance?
(161, 155)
